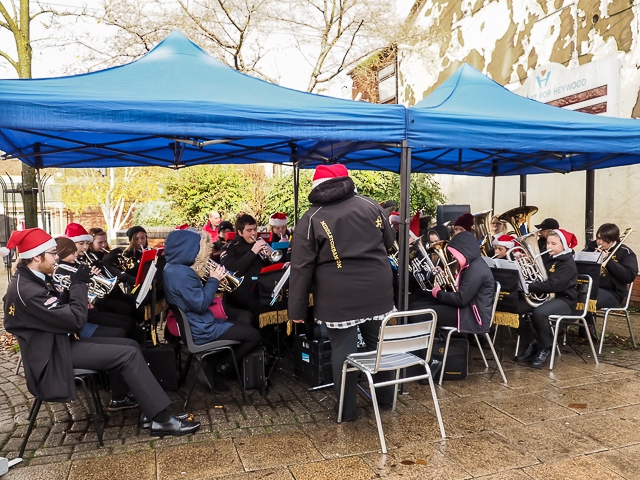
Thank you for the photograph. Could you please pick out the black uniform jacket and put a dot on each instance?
(562, 277)
(43, 327)
(238, 257)
(339, 251)
(621, 270)
(476, 287)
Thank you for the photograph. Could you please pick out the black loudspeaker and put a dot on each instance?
(449, 213)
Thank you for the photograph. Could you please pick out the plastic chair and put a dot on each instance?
(618, 312)
(583, 297)
(394, 344)
(451, 330)
(84, 377)
(200, 352)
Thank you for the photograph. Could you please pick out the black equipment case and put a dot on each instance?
(253, 372)
(457, 367)
(312, 360)
(164, 362)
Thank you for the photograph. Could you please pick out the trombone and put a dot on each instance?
(621, 240)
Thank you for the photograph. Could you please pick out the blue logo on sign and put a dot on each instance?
(542, 81)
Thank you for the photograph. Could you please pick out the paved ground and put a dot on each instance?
(579, 421)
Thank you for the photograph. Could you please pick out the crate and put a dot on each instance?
(312, 360)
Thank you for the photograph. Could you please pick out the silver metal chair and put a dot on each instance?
(451, 330)
(395, 343)
(584, 292)
(617, 312)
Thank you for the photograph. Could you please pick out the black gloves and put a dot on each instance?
(83, 275)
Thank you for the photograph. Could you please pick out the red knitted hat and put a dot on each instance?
(506, 241)
(77, 233)
(30, 242)
(325, 172)
(278, 219)
(465, 221)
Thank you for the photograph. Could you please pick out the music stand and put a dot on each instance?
(150, 259)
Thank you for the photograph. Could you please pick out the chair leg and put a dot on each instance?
(343, 382)
(33, 414)
(92, 411)
(484, 358)
(633, 340)
(497, 360)
(240, 382)
(95, 392)
(18, 365)
(395, 392)
(517, 346)
(556, 330)
(376, 411)
(593, 348)
(444, 356)
(604, 327)
(186, 402)
(495, 333)
(434, 397)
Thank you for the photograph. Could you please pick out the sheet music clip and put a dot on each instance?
(280, 284)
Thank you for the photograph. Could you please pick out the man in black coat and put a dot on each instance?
(47, 334)
(339, 253)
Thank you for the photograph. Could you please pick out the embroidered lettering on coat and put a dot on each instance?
(332, 244)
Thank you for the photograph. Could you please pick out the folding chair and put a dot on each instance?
(451, 330)
(84, 377)
(618, 312)
(394, 344)
(200, 352)
(584, 292)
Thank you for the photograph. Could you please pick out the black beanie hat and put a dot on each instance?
(135, 229)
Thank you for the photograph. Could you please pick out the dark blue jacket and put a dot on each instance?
(183, 287)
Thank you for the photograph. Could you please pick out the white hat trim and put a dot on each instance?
(276, 222)
(497, 243)
(51, 243)
(81, 238)
(317, 182)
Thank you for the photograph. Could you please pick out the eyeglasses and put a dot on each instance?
(52, 253)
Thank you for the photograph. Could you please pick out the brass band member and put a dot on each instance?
(621, 269)
(547, 225)
(502, 244)
(278, 227)
(562, 277)
(498, 227)
(137, 236)
(224, 228)
(339, 253)
(464, 223)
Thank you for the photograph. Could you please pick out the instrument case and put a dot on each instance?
(164, 362)
(312, 360)
(253, 370)
(457, 367)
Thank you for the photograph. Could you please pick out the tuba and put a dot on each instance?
(531, 269)
(519, 217)
(229, 283)
(482, 230)
(99, 286)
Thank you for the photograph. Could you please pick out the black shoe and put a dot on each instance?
(435, 366)
(126, 403)
(146, 423)
(528, 355)
(174, 426)
(541, 358)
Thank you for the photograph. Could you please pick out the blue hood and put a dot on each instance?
(182, 247)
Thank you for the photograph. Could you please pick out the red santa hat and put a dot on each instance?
(278, 219)
(77, 233)
(325, 172)
(29, 242)
(506, 241)
(414, 225)
(568, 239)
(394, 217)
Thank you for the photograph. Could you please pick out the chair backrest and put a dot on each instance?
(403, 338)
(584, 293)
(495, 302)
(183, 327)
(629, 293)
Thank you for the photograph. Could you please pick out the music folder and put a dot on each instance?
(148, 257)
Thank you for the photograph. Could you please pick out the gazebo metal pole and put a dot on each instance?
(589, 206)
(41, 195)
(405, 205)
(523, 190)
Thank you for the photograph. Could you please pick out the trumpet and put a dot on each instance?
(124, 263)
(99, 286)
(230, 281)
(269, 253)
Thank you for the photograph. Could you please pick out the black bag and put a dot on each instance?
(253, 373)
(457, 367)
(164, 362)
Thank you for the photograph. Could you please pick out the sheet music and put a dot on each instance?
(593, 257)
(280, 284)
(505, 264)
(144, 289)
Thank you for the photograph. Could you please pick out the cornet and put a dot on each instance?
(99, 286)
(268, 253)
(229, 283)
(124, 263)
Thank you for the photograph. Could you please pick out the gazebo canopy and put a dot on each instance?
(178, 106)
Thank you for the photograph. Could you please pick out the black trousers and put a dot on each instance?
(248, 337)
(447, 314)
(539, 328)
(109, 332)
(114, 320)
(236, 314)
(344, 341)
(607, 299)
(128, 371)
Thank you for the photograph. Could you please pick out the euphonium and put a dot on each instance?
(269, 253)
(99, 286)
(530, 267)
(519, 217)
(420, 264)
(482, 230)
(229, 283)
(446, 280)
